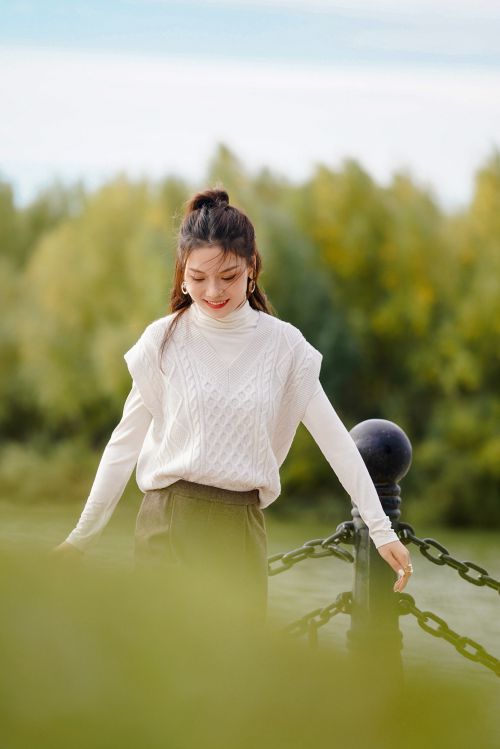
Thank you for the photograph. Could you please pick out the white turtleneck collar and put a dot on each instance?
(239, 319)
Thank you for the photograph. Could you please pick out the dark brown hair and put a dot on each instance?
(208, 221)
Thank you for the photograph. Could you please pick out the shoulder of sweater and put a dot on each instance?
(303, 350)
(154, 331)
(291, 333)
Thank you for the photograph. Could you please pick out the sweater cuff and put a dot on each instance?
(381, 537)
(78, 543)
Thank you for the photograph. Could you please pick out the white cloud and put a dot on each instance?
(456, 9)
(87, 114)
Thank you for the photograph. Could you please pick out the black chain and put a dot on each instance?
(317, 618)
(407, 534)
(329, 547)
(406, 604)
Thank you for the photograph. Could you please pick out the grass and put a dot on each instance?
(95, 655)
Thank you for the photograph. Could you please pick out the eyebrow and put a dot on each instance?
(196, 270)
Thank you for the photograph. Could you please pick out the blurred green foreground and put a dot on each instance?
(99, 657)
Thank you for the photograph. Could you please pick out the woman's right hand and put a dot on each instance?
(67, 550)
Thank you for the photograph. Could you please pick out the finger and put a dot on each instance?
(402, 580)
(400, 583)
(403, 562)
(394, 561)
(404, 558)
(398, 559)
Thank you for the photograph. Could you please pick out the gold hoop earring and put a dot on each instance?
(183, 289)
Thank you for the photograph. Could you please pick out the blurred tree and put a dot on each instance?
(462, 442)
(79, 282)
(52, 205)
(402, 300)
(10, 235)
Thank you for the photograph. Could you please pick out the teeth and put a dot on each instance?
(216, 304)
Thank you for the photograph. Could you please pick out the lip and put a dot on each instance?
(216, 305)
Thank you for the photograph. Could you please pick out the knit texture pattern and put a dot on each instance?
(223, 425)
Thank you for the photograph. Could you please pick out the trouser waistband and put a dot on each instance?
(214, 493)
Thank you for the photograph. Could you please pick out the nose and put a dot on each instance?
(213, 290)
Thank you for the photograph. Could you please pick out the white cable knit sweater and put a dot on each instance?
(224, 413)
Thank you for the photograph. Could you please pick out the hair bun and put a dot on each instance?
(209, 198)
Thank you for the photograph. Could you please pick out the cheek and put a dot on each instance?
(242, 281)
(239, 288)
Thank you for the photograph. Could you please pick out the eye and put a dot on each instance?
(230, 278)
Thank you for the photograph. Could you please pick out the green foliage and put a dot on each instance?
(43, 472)
(81, 278)
(402, 299)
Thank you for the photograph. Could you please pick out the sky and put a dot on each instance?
(150, 87)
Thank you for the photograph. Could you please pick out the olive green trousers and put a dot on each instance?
(215, 533)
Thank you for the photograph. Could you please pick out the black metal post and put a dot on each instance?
(374, 633)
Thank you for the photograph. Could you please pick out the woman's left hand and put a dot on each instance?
(398, 557)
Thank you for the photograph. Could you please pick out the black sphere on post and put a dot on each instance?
(374, 633)
(387, 453)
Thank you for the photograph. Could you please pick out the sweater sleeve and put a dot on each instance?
(339, 448)
(115, 468)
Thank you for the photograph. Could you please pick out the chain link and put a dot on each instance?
(317, 618)
(329, 546)
(477, 653)
(463, 568)
(321, 547)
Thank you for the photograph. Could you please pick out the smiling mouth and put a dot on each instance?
(216, 305)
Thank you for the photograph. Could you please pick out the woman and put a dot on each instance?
(219, 387)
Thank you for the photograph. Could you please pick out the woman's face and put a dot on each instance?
(207, 282)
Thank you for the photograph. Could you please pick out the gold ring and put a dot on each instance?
(408, 569)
